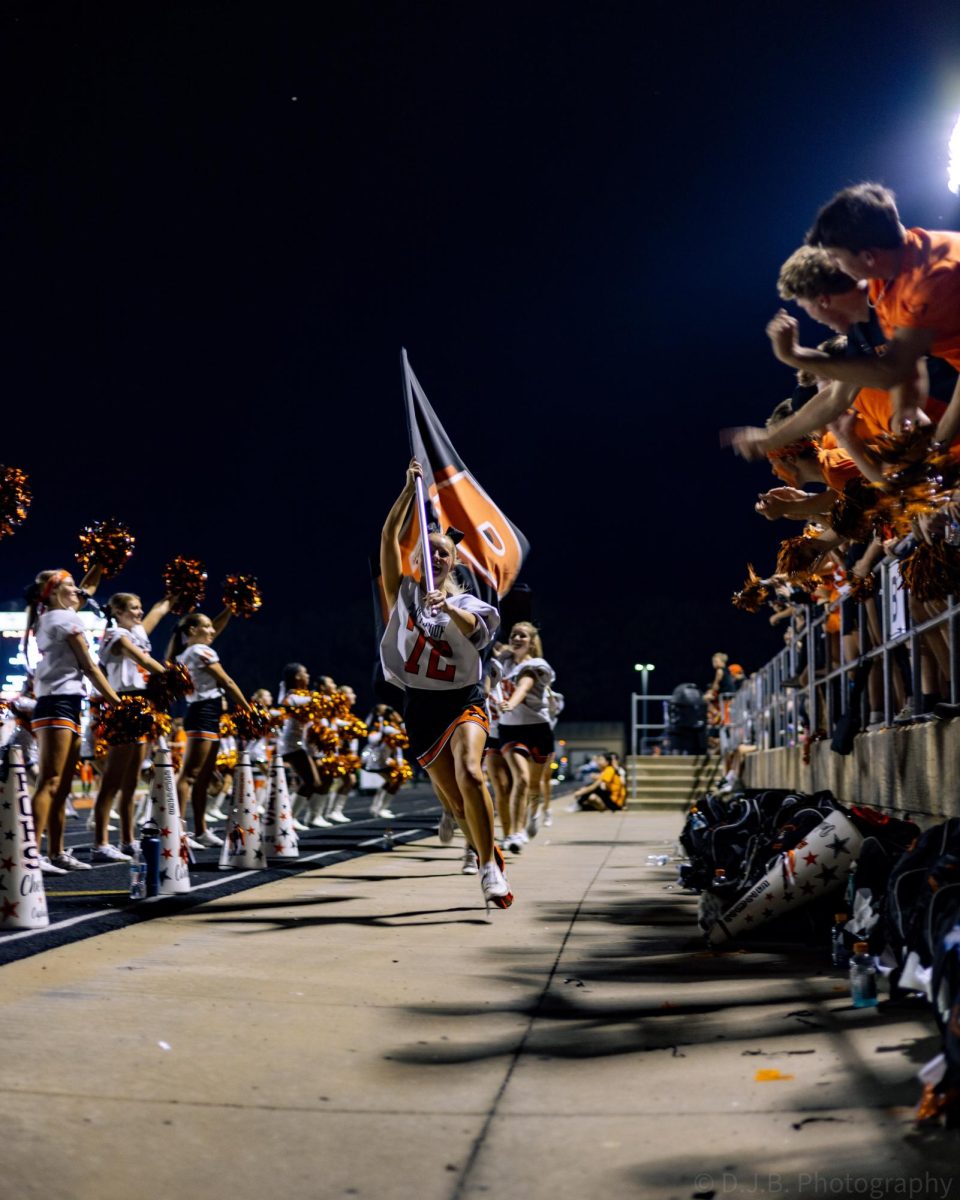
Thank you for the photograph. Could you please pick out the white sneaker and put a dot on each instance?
(319, 822)
(192, 843)
(208, 840)
(48, 868)
(534, 822)
(447, 828)
(299, 825)
(340, 818)
(496, 890)
(130, 848)
(547, 819)
(513, 844)
(521, 837)
(67, 862)
(471, 864)
(217, 814)
(390, 816)
(108, 854)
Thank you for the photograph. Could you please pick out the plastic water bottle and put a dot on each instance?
(138, 876)
(863, 977)
(839, 954)
(657, 860)
(719, 877)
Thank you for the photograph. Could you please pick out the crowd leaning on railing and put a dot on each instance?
(867, 454)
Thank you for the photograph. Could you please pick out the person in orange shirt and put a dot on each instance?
(606, 791)
(811, 278)
(914, 286)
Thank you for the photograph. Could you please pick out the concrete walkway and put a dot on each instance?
(363, 1031)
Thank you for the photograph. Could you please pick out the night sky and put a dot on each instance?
(222, 221)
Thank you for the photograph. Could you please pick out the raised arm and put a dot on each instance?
(219, 622)
(391, 566)
(751, 442)
(157, 613)
(895, 366)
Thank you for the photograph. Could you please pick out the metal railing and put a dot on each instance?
(770, 711)
(642, 735)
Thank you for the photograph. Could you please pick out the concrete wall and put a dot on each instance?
(915, 769)
(593, 736)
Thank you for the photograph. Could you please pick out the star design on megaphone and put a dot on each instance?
(838, 844)
(6, 864)
(827, 874)
(9, 909)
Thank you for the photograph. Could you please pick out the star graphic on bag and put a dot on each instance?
(838, 844)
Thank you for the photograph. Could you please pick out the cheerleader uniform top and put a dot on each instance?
(58, 672)
(123, 674)
(197, 658)
(292, 730)
(534, 708)
(494, 672)
(425, 653)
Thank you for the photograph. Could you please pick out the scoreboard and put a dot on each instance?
(15, 665)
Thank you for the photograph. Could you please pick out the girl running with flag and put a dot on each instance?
(431, 648)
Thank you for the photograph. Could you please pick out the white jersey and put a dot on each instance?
(555, 703)
(58, 672)
(533, 709)
(292, 731)
(122, 673)
(494, 672)
(420, 651)
(197, 658)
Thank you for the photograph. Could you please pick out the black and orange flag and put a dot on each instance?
(493, 548)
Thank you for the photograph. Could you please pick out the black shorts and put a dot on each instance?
(603, 795)
(202, 719)
(494, 745)
(432, 716)
(533, 741)
(57, 712)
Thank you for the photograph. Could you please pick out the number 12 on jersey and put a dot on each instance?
(438, 650)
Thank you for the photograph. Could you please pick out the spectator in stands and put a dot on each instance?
(604, 793)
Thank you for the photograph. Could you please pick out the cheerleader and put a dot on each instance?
(525, 733)
(54, 600)
(126, 661)
(493, 760)
(431, 648)
(341, 788)
(191, 645)
(381, 759)
(292, 748)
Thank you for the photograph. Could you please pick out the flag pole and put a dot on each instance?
(421, 502)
